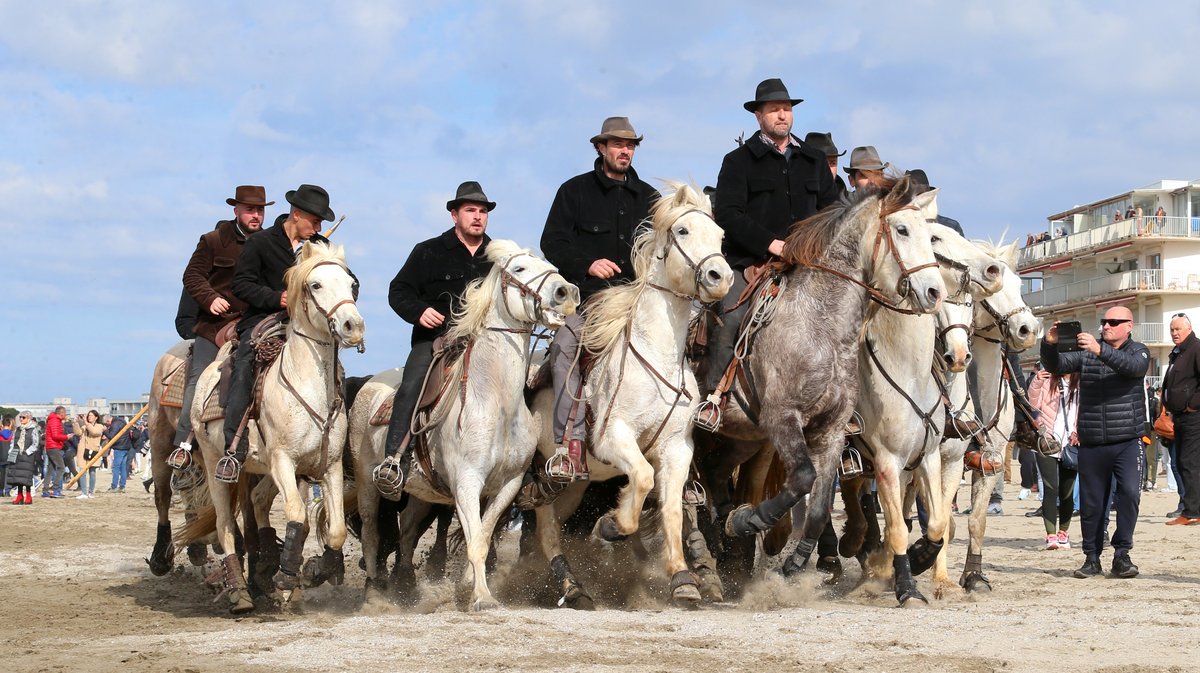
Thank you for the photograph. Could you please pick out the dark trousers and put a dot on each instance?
(203, 354)
(240, 389)
(722, 340)
(406, 395)
(1058, 493)
(1098, 466)
(1173, 451)
(1187, 449)
(1028, 467)
(565, 370)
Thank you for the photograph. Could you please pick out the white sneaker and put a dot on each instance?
(1023, 494)
(82, 496)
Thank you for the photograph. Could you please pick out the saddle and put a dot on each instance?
(267, 339)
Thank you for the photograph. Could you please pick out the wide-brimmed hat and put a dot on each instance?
(822, 142)
(250, 195)
(918, 178)
(311, 199)
(616, 127)
(470, 191)
(770, 90)
(865, 159)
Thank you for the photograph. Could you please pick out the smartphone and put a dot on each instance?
(1068, 335)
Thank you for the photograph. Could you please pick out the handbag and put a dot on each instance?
(1164, 425)
(1070, 457)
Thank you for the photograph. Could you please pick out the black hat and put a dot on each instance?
(311, 199)
(822, 142)
(470, 191)
(918, 178)
(770, 90)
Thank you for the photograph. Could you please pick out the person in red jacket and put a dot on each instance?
(56, 435)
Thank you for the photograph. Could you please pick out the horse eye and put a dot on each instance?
(316, 286)
(902, 230)
(519, 269)
(682, 231)
(937, 239)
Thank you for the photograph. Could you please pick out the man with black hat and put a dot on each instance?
(258, 281)
(921, 185)
(208, 280)
(823, 142)
(589, 236)
(425, 293)
(765, 185)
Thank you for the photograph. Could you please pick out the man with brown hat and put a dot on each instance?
(258, 281)
(208, 280)
(866, 168)
(765, 185)
(425, 293)
(589, 236)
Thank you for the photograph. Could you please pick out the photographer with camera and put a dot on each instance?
(1112, 418)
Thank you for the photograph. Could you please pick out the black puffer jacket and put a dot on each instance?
(1112, 390)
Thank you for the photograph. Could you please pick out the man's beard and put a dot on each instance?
(777, 135)
(613, 168)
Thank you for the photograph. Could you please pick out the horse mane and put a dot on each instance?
(1004, 253)
(468, 319)
(809, 239)
(312, 254)
(609, 309)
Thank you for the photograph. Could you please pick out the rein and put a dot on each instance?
(925, 416)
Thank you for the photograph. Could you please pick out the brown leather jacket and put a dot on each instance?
(209, 274)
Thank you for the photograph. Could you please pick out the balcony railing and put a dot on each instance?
(1149, 333)
(1141, 279)
(1169, 227)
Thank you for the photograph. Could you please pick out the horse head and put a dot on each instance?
(685, 238)
(955, 325)
(322, 293)
(902, 262)
(528, 287)
(1004, 315)
(972, 269)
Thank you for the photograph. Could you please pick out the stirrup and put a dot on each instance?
(708, 413)
(389, 478)
(228, 469)
(560, 468)
(694, 494)
(537, 492)
(181, 457)
(854, 426)
(852, 463)
(985, 461)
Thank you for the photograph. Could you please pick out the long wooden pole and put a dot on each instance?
(104, 449)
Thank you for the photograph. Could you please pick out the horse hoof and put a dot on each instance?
(606, 529)
(711, 587)
(286, 583)
(485, 604)
(848, 546)
(832, 567)
(576, 598)
(740, 522)
(158, 566)
(197, 554)
(906, 596)
(975, 581)
(686, 596)
(239, 602)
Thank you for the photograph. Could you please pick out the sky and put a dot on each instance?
(124, 126)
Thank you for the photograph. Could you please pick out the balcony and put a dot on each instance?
(1126, 281)
(1145, 227)
(1149, 333)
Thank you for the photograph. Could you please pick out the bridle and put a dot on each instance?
(673, 242)
(1000, 322)
(527, 291)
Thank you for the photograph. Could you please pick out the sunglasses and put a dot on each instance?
(1113, 322)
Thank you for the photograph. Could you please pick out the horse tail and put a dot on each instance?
(204, 521)
(319, 514)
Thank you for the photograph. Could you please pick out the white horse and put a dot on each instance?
(902, 406)
(481, 436)
(301, 427)
(1002, 321)
(641, 389)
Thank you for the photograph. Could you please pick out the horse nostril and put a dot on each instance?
(714, 277)
(967, 359)
(948, 358)
(993, 271)
(560, 294)
(934, 295)
(347, 327)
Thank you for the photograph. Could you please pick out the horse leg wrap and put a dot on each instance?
(573, 594)
(684, 589)
(745, 521)
(923, 553)
(798, 560)
(906, 586)
(972, 576)
(233, 572)
(293, 553)
(161, 556)
(268, 560)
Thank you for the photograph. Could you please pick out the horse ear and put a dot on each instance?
(927, 202)
(306, 250)
(681, 196)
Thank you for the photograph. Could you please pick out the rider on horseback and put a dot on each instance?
(588, 235)
(258, 281)
(426, 292)
(208, 280)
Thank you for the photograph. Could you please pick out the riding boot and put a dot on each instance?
(229, 466)
(569, 463)
(393, 472)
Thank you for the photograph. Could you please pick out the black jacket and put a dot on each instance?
(434, 276)
(760, 195)
(1112, 391)
(595, 217)
(258, 277)
(185, 316)
(1181, 385)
